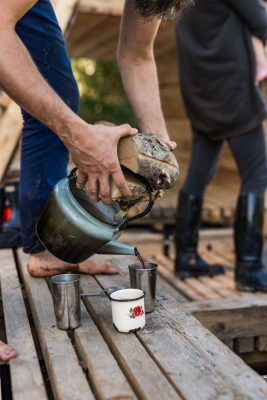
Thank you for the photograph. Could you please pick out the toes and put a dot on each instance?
(7, 353)
(111, 270)
(107, 269)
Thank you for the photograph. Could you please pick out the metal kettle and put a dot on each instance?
(73, 228)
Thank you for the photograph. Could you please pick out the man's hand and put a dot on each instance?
(95, 154)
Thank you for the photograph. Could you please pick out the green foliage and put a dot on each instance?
(101, 91)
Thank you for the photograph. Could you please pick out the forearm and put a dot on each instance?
(141, 86)
(20, 78)
(135, 56)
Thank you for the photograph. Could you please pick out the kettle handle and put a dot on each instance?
(123, 224)
(72, 172)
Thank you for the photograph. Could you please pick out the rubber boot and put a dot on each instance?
(250, 273)
(188, 262)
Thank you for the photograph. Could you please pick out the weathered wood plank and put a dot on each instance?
(241, 381)
(180, 285)
(142, 372)
(245, 317)
(202, 289)
(171, 338)
(224, 293)
(100, 362)
(66, 376)
(26, 377)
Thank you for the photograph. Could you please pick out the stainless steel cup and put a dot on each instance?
(65, 290)
(146, 280)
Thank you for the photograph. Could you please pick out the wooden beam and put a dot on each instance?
(10, 131)
(107, 7)
(244, 317)
(65, 10)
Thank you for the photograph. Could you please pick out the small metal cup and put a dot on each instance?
(65, 290)
(146, 280)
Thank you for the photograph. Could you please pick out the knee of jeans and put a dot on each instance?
(256, 187)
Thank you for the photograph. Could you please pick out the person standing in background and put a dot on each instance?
(220, 72)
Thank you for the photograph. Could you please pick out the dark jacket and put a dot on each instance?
(217, 66)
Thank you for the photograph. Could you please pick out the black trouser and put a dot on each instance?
(249, 152)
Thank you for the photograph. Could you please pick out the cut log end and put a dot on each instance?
(150, 158)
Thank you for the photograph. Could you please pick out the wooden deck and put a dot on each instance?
(174, 357)
(237, 318)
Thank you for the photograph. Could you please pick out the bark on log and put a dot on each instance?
(147, 156)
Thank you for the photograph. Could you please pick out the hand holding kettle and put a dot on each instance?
(95, 155)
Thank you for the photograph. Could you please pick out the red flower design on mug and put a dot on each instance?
(135, 312)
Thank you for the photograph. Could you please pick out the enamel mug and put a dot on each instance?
(128, 310)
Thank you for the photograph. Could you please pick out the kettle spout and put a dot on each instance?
(117, 248)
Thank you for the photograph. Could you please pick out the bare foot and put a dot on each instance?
(6, 352)
(44, 264)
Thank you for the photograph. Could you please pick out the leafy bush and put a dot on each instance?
(101, 91)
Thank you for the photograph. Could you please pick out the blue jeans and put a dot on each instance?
(44, 157)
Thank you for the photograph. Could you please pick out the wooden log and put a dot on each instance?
(65, 374)
(150, 158)
(26, 377)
